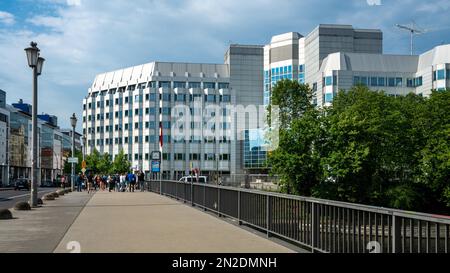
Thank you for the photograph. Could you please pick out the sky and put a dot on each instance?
(82, 38)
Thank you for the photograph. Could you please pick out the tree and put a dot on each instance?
(104, 164)
(92, 161)
(121, 163)
(68, 166)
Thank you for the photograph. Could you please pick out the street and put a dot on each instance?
(9, 198)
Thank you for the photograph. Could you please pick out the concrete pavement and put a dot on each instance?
(150, 223)
(41, 230)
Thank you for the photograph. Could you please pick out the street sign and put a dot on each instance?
(73, 160)
(83, 164)
(156, 156)
(156, 167)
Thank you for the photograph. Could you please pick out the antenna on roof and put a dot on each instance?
(413, 30)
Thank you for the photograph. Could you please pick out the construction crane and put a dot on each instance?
(413, 30)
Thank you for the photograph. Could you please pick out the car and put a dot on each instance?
(22, 183)
(189, 179)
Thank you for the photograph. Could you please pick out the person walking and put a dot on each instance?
(132, 181)
(141, 179)
(90, 183)
(111, 183)
(80, 182)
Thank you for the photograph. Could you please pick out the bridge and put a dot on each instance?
(174, 217)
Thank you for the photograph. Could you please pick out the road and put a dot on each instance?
(9, 198)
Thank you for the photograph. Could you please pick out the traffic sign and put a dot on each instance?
(73, 160)
(156, 167)
(156, 156)
(83, 170)
(83, 164)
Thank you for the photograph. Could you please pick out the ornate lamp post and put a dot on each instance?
(35, 62)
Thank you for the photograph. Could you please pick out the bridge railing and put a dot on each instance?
(316, 224)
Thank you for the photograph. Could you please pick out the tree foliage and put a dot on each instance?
(368, 148)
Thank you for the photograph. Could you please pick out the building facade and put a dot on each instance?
(125, 109)
(4, 140)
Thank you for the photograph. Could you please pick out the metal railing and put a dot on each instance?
(318, 225)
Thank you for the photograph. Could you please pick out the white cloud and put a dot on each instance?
(74, 2)
(84, 38)
(7, 18)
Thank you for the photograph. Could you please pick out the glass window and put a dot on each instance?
(179, 85)
(152, 125)
(152, 84)
(225, 98)
(210, 98)
(409, 83)
(166, 124)
(225, 85)
(440, 74)
(164, 84)
(301, 68)
(180, 97)
(381, 81)
(165, 97)
(363, 80)
(374, 81)
(398, 82)
(166, 110)
(356, 80)
(194, 85)
(391, 82)
(329, 81)
(209, 85)
(328, 97)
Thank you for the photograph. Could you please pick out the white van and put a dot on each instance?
(189, 179)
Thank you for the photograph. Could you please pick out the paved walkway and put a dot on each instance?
(149, 223)
(41, 230)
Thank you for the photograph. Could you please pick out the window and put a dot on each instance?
(180, 97)
(146, 156)
(374, 81)
(398, 82)
(381, 81)
(166, 139)
(125, 140)
(152, 111)
(328, 97)
(166, 124)
(301, 68)
(225, 98)
(166, 156)
(363, 80)
(136, 139)
(209, 85)
(126, 126)
(164, 84)
(126, 99)
(116, 101)
(194, 156)
(166, 110)
(136, 125)
(328, 81)
(179, 156)
(224, 157)
(136, 111)
(440, 74)
(209, 157)
(152, 84)
(147, 97)
(409, 82)
(194, 85)
(146, 140)
(224, 85)
(165, 97)
(210, 98)
(391, 82)
(418, 81)
(152, 97)
(152, 125)
(179, 85)
(356, 80)
(126, 113)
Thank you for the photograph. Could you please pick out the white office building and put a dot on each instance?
(122, 112)
(337, 57)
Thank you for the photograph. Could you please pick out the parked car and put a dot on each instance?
(22, 183)
(189, 179)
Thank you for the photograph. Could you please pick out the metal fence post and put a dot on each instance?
(204, 197)
(218, 201)
(268, 215)
(396, 234)
(239, 207)
(314, 226)
(192, 194)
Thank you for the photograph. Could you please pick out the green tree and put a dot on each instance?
(68, 166)
(104, 165)
(121, 163)
(93, 161)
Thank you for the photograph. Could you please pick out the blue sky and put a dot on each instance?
(82, 38)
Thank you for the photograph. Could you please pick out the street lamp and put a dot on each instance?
(35, 62)
(84, 147)
(73, 122)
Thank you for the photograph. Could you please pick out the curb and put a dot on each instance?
(7, 189)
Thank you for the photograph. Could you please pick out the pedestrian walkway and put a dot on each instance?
(150, 223)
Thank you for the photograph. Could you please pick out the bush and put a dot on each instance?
(61, 192)
(49, 197)
(5, 214)
(22, 206)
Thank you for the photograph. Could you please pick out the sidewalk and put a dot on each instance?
(149, 223)
(41, 230)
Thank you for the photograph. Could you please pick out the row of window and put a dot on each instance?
(390, 81)
(163, 97)
(153, 139)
